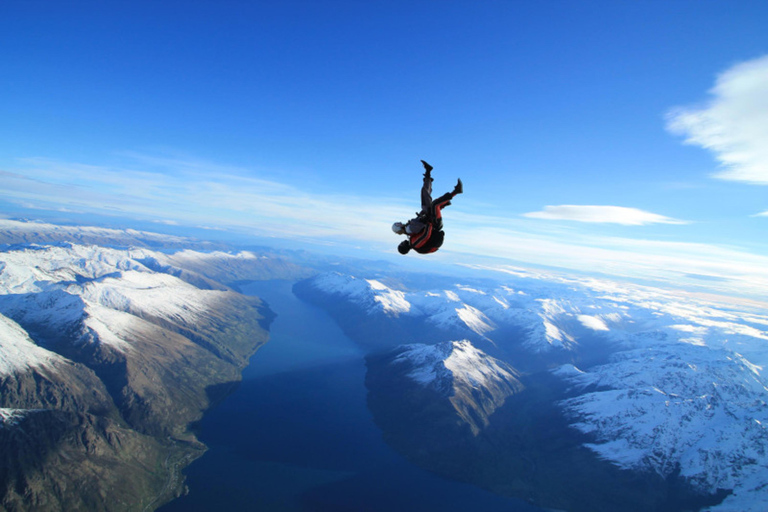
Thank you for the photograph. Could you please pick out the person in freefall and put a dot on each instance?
(425, 231)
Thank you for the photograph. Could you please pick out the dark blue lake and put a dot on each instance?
(297, 434)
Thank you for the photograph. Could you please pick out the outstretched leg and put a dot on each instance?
(418, 224)
(426, 188)
(443, 201)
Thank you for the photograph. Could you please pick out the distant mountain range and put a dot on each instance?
(30, 232)
(637, 398)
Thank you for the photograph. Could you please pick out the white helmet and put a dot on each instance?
(398, 228)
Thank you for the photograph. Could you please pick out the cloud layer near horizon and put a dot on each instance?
(602, 214)
(733, 124)
(206, 194)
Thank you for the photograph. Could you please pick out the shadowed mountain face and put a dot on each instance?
(455, 374)
(104, 362)
(573, 395)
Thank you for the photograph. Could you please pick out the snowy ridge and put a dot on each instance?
(19, 352)
(370, 294)
(101, 293)
(462, 307)
(146, 294)
(557, 315)
(548, 323)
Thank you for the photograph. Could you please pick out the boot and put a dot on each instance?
(459, 188)
(427, 172)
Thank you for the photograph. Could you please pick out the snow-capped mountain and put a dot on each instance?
(659, 381)
(475, 383)
(113, 352)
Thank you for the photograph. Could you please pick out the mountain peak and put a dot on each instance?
(474, 382)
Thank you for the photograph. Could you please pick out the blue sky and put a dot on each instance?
(622, 137)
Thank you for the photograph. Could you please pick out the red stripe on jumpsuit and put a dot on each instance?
(419, 239)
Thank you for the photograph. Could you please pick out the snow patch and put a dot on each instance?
(11, 417)
(468, 364)
(452, 296)
(474, 319)
(391, 301)
(593, 322)
(18, 352)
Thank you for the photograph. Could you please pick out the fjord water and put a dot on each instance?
(297, 435)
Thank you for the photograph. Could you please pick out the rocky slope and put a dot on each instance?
(106, 357)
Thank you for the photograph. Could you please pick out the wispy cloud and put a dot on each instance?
(194, 193)
(727, 270)
(602, 214)
(733, 124)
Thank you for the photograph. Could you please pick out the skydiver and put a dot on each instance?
(425, 231)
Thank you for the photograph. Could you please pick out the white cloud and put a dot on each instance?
(734, 124)
(602, 214)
